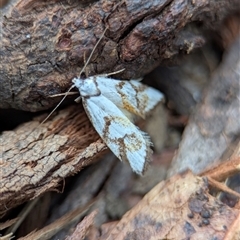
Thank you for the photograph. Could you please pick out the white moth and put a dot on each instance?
(106, 101)
(109, 104)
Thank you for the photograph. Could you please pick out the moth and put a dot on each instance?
(109, 105)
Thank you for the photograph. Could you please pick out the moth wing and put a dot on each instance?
(123, 138)
(132, 96)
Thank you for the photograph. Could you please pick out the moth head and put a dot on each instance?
(87, 87)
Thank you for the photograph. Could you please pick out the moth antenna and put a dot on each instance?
(84, 60)
(89, 58)
(63, 94)
(112, 73)
(50, 114)
(85, 65)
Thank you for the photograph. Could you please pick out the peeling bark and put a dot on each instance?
(35, 158)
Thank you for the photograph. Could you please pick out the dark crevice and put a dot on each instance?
(146, 16)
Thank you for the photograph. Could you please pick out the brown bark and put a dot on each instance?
(36, 158)
(44, 43)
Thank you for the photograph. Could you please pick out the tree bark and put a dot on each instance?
(44, 43)
(36, 158)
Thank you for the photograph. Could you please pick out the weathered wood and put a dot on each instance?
(44, 42)
(215, 125)
(35, 158)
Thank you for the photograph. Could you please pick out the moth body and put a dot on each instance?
(106, 102)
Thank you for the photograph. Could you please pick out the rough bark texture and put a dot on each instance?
(36, 158)
(44, 42)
